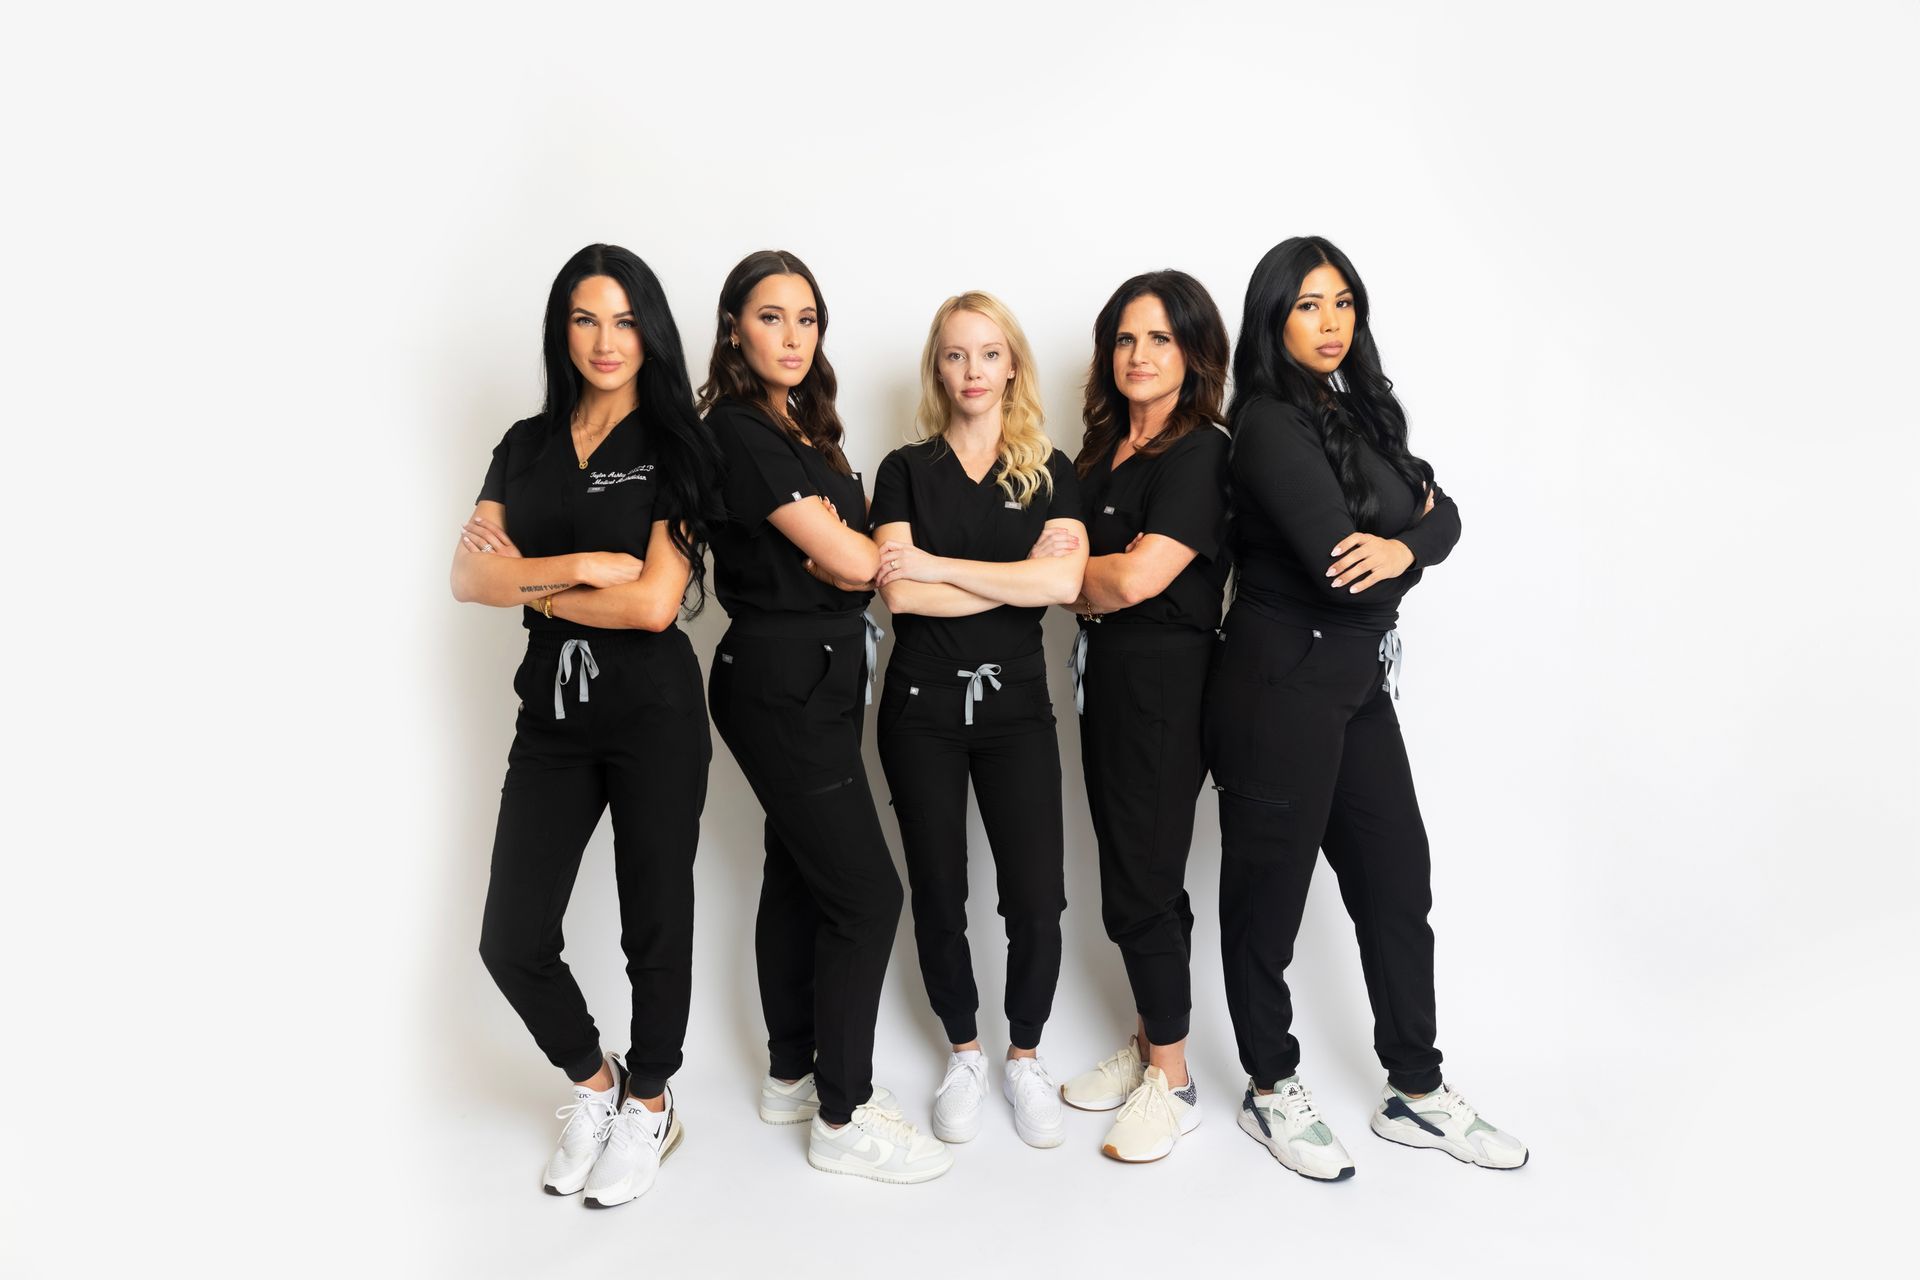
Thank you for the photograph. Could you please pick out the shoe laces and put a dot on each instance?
(1297, 1099)
(885, 1122)
(1148, 1102)
(1454, 1103)
(1031, 1079)
(627, 1128)
(592, 1115)
(959, 1069)
(1121, 1066)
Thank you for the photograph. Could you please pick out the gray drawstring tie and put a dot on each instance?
(1390, 654)
(988, 671)
(565, 670)
(1077, 664)
(873, 651)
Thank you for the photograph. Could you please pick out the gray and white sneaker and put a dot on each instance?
(961, 1097)
(1445, 1121)
(1108, 1084)
(1035, 1096)
(589, 1117)
(782, 1103)
(1285, 1123)
(637, 1142)
(877, 1143)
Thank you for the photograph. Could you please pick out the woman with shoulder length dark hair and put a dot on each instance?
(610, 496)
(1334, 522)
(1153, 490)
(794, 568)
(979, 531)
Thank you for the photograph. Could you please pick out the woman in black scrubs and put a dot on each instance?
(1153, 485)
(1334, 522)
(794, 568)
(609, 494)
(979, 531)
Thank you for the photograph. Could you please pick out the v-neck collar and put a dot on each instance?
(984, 480)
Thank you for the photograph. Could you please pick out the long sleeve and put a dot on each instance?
(1432, 537)
(1279, 465)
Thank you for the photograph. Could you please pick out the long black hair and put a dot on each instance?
(1202, 336)
(1356, 400)
(810, 405)
(689, 456)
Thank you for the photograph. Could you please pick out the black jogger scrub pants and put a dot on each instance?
(1143, 688)
(625, 730)
(1306, 754)
(1011, 751)
(788, 696)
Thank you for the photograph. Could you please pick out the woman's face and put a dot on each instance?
(602, 336)
(1148, 364)
(778, 330)
(1319, 329)
(975, 363)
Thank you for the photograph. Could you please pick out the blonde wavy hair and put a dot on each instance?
(1024, 446)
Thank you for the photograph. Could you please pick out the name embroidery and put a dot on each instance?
(601, 481)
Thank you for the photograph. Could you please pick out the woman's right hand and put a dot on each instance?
(608, 568)
(1057, 541)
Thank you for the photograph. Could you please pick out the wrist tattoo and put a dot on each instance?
(551, 586)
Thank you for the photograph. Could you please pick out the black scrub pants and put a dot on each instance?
(1012, 754)
(633, 739)
(1306, 753)
(1141, 750)
(788, 696)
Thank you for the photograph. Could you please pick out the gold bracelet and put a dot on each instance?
(546, 605)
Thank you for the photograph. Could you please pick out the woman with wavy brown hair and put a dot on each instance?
(794, 569)
(1153, 486)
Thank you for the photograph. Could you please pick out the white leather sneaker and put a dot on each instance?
(877, 1143)
(1035, 1096)
(961, 1097)
(1286, 1124)
(1445, 1121)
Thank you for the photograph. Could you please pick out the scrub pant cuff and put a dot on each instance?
(1421, 1082)
(960, 1030)
(646, 1086)
(791, 1068)
(586, 1068)
(835, 1118)
(1025, 1035)
(1166, 1030)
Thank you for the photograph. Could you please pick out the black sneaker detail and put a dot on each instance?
(1259, 1116)
(1399, 1110)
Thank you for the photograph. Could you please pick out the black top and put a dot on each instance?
(756, 570)
(1180, 494)
(555, 508)
(1289, 512)
(925, 486)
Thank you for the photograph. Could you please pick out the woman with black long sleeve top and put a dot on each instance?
(1153, 486)
(609, 494)
(1334, 522)
(794, 568)
(980, 531)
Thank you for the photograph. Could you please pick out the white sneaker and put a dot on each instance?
(1107, 1085)
(1155, 1117)
(589, 1116)
(1446, 1122)
(877, 1143)
(1035, 1096)
(637, 1142)
(789, 1103)
(961, 1097)
(1285, 1123)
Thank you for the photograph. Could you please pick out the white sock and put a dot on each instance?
(969, 1055)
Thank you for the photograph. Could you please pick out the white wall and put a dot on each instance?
(1641, 276)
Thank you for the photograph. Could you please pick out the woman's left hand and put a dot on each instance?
(484, 536)
(902, 560)
(1365, 554)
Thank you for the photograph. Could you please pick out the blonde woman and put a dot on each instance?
(979, 531)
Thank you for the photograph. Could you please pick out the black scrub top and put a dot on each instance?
(756, 569)
(1180, 494)
(555, 508)
(1289, 512)
(925, 486)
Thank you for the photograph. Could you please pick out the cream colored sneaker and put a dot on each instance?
(1108, 1085)
(1155, 1117)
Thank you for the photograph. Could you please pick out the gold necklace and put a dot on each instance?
(596, 444)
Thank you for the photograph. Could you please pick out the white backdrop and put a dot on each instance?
(1641, 274)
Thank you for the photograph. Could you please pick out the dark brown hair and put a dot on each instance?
(1202, 336)
(809, 405)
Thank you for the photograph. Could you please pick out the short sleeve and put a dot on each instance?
(892, 495)
(494, 487)
(1187, 500)
(1063, 503)
(764, 473)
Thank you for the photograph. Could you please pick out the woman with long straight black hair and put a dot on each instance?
(1334, 521)
(794, 568)
(1153, 490)
(609, 493)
